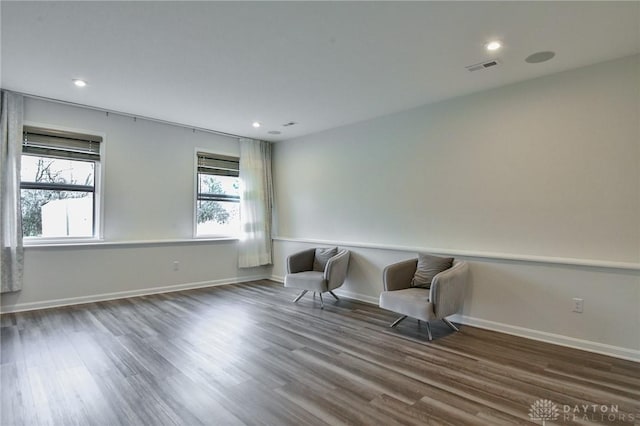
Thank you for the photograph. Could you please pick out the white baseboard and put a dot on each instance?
(343, 293)
(359, 297)
(542, 336)
(22, 307)
(557, 339)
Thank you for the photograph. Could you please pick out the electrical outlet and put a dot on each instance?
(578, 305)
(176, 265)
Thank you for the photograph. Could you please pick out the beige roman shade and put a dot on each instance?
(58, 143)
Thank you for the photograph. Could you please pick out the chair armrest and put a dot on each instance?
(300, 261)
(336, 270)
(447, 290)
(399, 275)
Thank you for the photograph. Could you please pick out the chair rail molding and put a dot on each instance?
(590, 263)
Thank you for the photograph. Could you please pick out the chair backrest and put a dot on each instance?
(448, 289)
(336, 270)
(300, 261)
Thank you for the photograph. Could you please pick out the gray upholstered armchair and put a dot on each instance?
(307, 271)
(444, 297)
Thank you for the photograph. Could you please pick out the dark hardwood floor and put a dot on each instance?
(244, 354)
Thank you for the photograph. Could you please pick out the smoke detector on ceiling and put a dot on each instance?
(483, 65)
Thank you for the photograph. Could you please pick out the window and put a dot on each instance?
(218, 195)
(58, 183)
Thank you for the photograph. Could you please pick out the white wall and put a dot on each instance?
(148, 196)
(539, 170)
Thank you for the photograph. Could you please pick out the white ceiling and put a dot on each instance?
(222, 65)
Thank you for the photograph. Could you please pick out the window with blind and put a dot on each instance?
(217, 195)
(58, 183)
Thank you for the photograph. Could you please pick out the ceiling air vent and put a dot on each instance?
(291, 123)
(483, 65)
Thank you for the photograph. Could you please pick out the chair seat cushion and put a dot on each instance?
(413, 302)
(308, 280)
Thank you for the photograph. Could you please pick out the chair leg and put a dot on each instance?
(321, 301)
(302, 293)
(446, 321)
(429, 330)
(333, 295)
(398, 321)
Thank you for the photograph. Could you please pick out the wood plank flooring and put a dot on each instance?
(244, 354)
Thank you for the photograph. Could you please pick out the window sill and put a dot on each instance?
(101, 243)
(36, 242)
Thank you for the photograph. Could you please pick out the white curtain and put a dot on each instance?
(11, 252)
(256, 199)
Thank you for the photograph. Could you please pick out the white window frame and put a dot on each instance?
(195, 197)
(98, 181)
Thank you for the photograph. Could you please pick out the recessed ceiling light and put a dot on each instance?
(493, 45)
(256, 124)
(79, 83)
